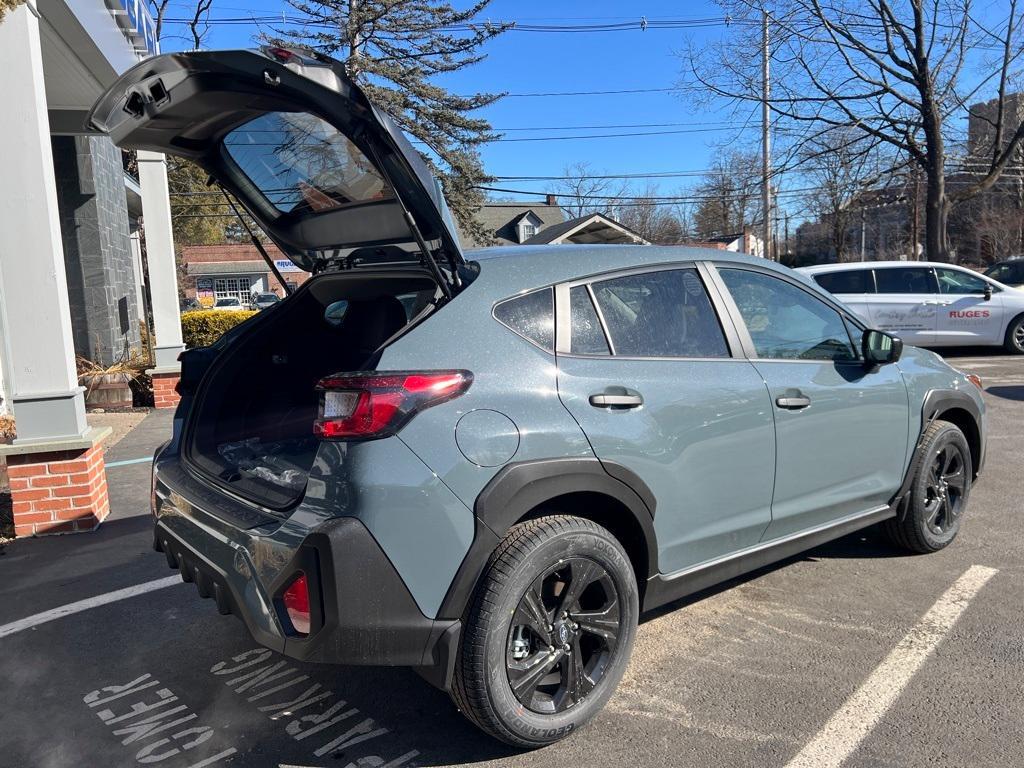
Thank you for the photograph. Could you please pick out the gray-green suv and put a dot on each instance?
(486, 466)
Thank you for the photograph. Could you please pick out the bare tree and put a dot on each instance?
(728, 195)
(583, 190)
(840, 164)
(199, 24)
(158, 9)
(655, 218)
(893, 70)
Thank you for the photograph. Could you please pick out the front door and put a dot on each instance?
(840, 428)
(965, 315)
(655, 386)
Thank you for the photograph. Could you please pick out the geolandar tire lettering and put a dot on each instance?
(548, 633)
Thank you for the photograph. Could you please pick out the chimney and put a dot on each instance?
(551, 199)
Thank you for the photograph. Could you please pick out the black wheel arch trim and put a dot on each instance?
(936, 403)
(519, 488)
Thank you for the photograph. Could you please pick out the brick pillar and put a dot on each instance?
(59, 491)
(164, 394)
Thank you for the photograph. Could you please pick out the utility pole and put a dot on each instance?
(766, 149)
(863, 233)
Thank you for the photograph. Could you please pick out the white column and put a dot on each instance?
(163, 277)
(38, 350)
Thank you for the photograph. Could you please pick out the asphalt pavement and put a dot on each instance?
(852, 653)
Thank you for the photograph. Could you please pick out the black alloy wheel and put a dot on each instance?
(945, 488)
(563, 635)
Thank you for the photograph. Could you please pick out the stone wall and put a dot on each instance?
(97, 252)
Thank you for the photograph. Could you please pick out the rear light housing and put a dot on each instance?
(371, 405)
(295, 599)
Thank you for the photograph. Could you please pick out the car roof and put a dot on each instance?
(819, 268)
(522, 267)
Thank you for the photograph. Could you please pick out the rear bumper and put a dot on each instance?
(363, 614)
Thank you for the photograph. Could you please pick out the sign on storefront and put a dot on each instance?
(285, 265)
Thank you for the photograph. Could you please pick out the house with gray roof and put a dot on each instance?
(521, 223)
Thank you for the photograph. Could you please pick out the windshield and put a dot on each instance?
(227, 303)
(303, 164)
(267, 297)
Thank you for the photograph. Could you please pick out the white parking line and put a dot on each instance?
(866, 707)
(84, 605)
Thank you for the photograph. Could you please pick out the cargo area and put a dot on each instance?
(251, 426)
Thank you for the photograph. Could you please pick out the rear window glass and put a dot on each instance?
(587, 337)
(906, 280)
(303, 164)
(531, 315)
(660, 314)
(846, 281)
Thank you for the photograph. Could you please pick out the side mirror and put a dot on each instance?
(881, 348)
(988, 291)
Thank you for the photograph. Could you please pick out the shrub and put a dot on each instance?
(203, 327)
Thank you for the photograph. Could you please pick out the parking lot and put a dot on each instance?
(823, 659)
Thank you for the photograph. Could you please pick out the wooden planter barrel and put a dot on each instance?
(108, 390)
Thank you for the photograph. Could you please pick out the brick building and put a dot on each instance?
(236, 270)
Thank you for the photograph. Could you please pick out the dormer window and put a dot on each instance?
(527, 225)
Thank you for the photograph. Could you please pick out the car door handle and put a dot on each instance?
(793, 402)
(625, 400)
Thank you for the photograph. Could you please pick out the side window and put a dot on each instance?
(587, 337)
(786, 322)
(531, 315)
(660, 314)
(955, 281)
(906, 280)
(846, 281)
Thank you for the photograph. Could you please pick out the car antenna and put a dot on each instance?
(255, 240)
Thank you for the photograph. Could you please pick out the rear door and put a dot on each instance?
(659, 385)
(840, 427)
(327, 176)
(906, 303)
(965, 315)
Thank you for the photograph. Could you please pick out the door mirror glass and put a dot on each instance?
(881, 348)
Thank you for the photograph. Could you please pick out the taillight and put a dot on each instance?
(363, 406)
(975, 380)
(296, 604)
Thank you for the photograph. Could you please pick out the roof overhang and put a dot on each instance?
(85, 45)
(598, 229)
(203, 268)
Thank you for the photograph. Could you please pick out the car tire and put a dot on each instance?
(941, 485)
(555, 560)
(1014, 341)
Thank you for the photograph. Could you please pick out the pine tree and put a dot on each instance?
(394, 49)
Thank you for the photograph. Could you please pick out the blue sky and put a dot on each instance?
(679, 135)
(529, 62)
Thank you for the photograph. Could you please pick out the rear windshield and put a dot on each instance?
(303, 164)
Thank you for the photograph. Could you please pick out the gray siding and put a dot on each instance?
(97, 250)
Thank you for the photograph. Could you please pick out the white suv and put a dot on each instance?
(928, 304)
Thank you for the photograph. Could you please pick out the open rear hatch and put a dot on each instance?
(330, 178)
(334, 183)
